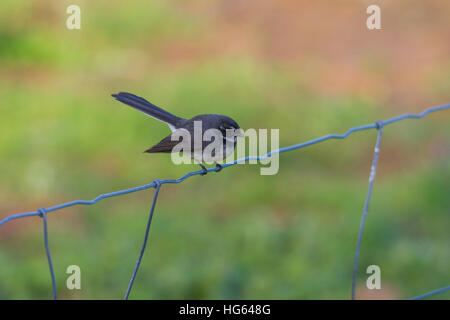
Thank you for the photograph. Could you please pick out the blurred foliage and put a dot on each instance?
(307, 69)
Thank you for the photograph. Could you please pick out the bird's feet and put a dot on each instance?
(218, 167)
(204, 170)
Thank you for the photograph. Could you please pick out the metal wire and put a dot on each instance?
(373, 170)
(147, 230)
(431, 293)
(379, 125)
(43, 215)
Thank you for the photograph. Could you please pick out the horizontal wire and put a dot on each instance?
(194, 173)
(431, 293)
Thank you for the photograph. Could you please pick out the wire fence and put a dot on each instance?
(157, 184)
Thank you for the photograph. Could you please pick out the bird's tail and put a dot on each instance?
(148, 108)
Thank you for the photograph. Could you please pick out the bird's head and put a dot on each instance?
(230, 127)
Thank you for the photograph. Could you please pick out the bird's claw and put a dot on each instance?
(204, 170)
(218, 167)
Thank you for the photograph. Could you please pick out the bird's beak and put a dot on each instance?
(240, 133)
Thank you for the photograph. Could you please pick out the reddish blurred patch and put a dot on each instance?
(387, 292)
(395, 64)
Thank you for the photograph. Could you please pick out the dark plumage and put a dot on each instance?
(166, 145)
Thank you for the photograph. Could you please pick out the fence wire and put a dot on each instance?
(157, 184)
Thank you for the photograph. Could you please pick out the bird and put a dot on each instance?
(228, 128)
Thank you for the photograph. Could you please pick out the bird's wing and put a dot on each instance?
(148, 108)
(164, 146)
(181, 136)
(167, 144)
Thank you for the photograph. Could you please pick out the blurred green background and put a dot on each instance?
(307, 68)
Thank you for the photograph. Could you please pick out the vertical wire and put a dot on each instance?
(147, 231)
(43, 215)
(366, 205)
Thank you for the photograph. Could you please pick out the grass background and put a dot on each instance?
(307, 68)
